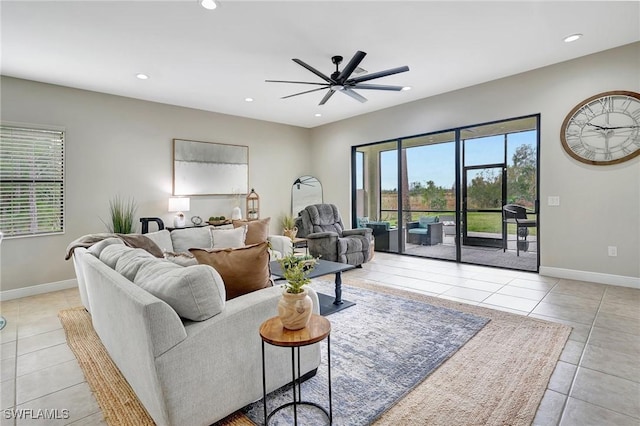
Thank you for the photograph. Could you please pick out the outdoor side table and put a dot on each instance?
(273, 332)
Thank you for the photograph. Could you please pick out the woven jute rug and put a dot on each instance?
(497, 378)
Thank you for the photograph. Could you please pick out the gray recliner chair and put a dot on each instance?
(322, 226)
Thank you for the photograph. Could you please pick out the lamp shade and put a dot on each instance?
(179, 204)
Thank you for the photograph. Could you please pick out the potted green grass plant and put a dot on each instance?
(289, 226)
(295, 306)
(121, 213)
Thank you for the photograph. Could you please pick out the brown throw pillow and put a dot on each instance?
(257, 230)
(243, 270)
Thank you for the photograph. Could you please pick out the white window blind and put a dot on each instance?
(31, 181)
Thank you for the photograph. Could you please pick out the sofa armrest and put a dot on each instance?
(319, 235)
(358, 231)
(281, 244)
(222, 360)
(411, 225)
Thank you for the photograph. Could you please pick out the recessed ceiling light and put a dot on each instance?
(208, 4)
(572, 37)
(248, 99)
(142, 76)
(405, 88)
(317, 114)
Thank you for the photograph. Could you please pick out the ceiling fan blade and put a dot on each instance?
(376, 87)
(302, 93)
(358, 97)
(351, 66)
(313, 70)
(296, 82)
(378, 74)
(327, 96)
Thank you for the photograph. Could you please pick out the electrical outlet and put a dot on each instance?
(553, 200)
(612, 250)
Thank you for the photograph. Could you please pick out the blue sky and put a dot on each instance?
(437, 162)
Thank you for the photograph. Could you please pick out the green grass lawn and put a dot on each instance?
(478, 222)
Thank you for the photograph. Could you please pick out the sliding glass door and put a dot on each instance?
(441, 195)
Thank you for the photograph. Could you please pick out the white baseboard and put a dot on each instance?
(594, 277)
(37, 289)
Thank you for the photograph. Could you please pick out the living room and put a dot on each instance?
(122, 145)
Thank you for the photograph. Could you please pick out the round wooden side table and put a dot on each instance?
(273, 332)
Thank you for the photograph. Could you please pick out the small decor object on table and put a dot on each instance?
(253, 205)
(289, 227)
(295, 306)
(179, 205)
(218, 220)
(196, 220)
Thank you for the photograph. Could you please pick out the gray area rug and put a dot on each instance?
(381, 348)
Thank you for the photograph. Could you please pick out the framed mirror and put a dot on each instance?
(205, 168)
(306, 190)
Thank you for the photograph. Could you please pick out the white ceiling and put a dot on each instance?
(213, 60)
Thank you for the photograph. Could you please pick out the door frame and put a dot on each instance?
(482, 241)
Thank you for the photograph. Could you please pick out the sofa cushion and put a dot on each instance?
(229, 238)
(130, 261)
(194, 292)
(257, 230)
(243, 270)
(110, 254)
(184, 239)
(97, 248)
(162, 239)
(424, 221)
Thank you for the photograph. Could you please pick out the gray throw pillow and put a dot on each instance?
(194, 292)
(184, 239)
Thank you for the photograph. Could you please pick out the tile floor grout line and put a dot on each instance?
(575, 374)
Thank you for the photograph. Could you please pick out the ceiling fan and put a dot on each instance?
(340, 81)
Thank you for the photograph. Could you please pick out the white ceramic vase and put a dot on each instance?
(236, 213)
(295, 310)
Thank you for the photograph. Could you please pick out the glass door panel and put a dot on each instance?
(376, 195)
(482, 206)
(428, 182)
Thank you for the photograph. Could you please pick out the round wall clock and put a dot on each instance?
(604, 129)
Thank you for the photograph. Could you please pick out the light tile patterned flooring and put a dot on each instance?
(596, 381)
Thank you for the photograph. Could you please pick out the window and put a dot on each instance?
(31, 181)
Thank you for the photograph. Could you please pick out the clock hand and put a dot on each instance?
(598, 127)
(612, 128)
(624, 127)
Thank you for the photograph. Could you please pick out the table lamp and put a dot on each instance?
(179, 205)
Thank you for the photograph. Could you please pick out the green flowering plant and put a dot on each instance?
(296, 271)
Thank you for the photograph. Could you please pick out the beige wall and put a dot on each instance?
(117, 145)
(600, 205)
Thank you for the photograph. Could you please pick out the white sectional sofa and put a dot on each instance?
(184, 371)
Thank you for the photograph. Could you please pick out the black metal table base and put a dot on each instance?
(328, 304)
(297, 397)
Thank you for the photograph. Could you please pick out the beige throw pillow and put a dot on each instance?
(229, 238)
(257, 230)
(243, 270)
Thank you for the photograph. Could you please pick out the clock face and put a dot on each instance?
(604, 129)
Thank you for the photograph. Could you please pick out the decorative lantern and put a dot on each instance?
(253, 205)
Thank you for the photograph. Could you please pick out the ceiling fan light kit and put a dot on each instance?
(341, 81)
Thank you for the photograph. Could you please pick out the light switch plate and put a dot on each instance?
(553, 200)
